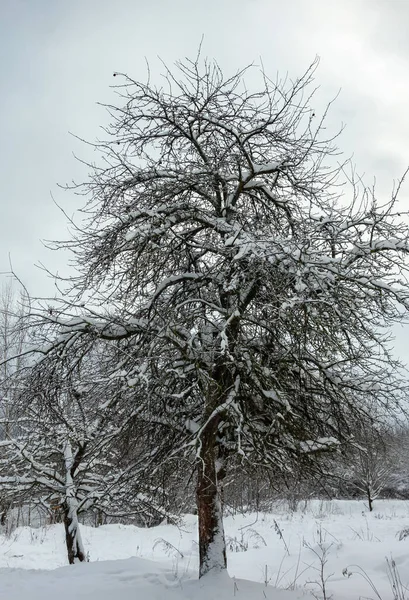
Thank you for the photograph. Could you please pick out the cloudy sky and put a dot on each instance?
(58, 57)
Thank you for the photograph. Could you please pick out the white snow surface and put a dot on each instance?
(129, 562)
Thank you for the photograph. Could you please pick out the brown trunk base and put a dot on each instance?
(212, 546)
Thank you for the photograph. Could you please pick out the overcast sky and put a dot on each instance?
(58, 57)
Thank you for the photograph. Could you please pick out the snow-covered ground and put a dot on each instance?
(283, 549)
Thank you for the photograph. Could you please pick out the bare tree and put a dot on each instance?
(13, 340)
(64, 451)
(248, 297)
(370, 462)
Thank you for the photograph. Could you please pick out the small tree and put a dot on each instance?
(248, 298)
(64, 451)
(371, 465)
(13, 340)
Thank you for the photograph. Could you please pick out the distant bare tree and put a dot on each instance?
(13, 340)
(371, 463)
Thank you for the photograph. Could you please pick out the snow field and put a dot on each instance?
(285, 549)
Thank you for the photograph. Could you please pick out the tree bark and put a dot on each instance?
(73, 540)
(369, 496)
(212, 545)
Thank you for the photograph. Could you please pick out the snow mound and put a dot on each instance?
(127, 580)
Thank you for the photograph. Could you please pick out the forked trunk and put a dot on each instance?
(73, 540)
(212, 545)
(75, 548)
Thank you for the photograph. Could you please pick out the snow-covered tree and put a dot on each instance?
(64, 451)
(370, 463)
(13, 339)
(247, 290)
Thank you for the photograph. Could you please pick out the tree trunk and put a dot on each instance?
(75, 548)
(369, 496)
(212, 545)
